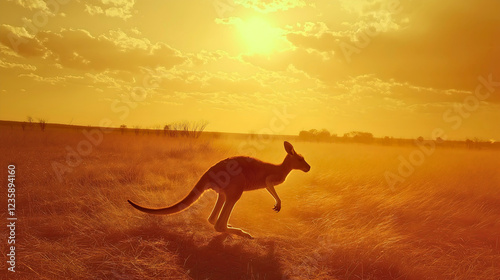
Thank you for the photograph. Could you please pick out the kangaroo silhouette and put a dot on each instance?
(230, 178)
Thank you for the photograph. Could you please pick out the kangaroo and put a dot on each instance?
(230, 178)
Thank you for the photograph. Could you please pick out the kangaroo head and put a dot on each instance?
(296, 161)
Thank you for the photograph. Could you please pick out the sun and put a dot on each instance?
(259, 36)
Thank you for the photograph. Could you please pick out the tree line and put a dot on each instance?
(324, 135)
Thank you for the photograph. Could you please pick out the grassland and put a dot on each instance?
(339, 221)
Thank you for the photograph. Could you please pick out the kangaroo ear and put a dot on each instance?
(289, 148)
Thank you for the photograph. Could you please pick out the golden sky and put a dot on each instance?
(397, 68)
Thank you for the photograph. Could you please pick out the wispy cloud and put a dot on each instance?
(112, 8)
(269, 6)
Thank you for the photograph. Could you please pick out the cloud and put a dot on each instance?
(202, 78)
(371, 86)
(204, 57)
(77, 48)
(246, 91)
(442, 45)
(269, 6)
(38, 5)
(210, 82)
(12, 65)
(113, 81)
(50, 80)
(115, 50)
(111, 8)
(20, 41)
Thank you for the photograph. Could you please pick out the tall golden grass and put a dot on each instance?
(339, 221)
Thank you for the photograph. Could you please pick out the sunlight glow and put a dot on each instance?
(259, 35)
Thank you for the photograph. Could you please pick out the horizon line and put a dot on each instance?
(479, 139)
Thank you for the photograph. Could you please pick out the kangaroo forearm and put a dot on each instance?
(274, 194)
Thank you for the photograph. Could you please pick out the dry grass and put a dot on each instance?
(339, 221)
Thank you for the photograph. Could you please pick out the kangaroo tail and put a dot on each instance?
(192, 197)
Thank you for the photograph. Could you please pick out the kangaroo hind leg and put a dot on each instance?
(221, 224)
(218, 206)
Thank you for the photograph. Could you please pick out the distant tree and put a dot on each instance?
(359, 136)
(387, 140)
(42, 123)
(29, 122)
(314, 134)
(469, 144)
(137, 130)
(166, 130)
(185, 128)
(171, 129)
(198, 127)
(324, 134)
(305, 135)
(122, 128)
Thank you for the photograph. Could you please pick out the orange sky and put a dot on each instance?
(398, 68)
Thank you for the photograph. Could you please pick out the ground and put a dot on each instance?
(341, 220)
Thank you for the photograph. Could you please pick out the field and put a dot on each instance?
(341, 220)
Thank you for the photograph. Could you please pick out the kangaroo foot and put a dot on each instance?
(237, 231)
(213, 221)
